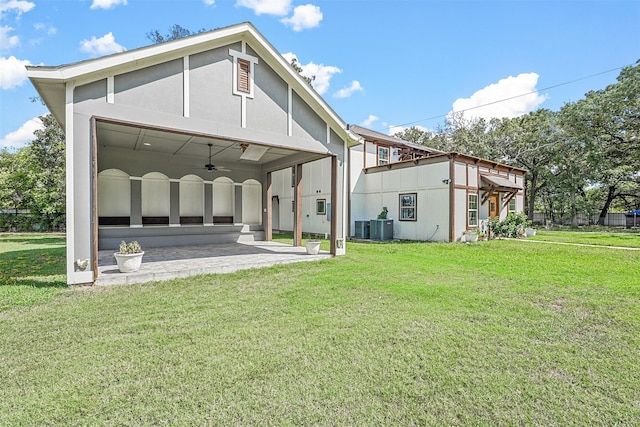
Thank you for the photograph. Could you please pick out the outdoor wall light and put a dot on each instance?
(445, 181)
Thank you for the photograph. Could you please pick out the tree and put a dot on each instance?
(607, 124)
(46, 173)
(296, 66)
(175, 32)
(532, 142)
(14, 180)
(416, 135)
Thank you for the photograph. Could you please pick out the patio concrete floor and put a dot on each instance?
(183, 261)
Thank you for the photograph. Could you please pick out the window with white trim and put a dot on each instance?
(512, 205)
(244, 67)
(383, 155)
(408, 206)
(473, 209)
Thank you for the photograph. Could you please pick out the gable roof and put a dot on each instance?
(50, 82)
(378, 137)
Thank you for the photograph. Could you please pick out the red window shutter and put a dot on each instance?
(243, 75)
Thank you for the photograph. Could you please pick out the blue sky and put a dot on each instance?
(383, 64)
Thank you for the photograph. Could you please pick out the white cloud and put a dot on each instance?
(267, 7)
(7, 41)
(369, 121)
(348, 91)
(322, 73)
(519, 95)
(107, 4)
(397, 129)
(22, 136)
(209, 2)
(17, 6)
(104, 45)
(304, 17)
(50, 30)
(290, 56)
(12, 72)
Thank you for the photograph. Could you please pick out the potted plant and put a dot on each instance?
(482, 236)
(471, 236)
(129, 257)
(313, 247)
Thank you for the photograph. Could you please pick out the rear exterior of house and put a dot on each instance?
(177, 143)
(215, 138)
(430, 195)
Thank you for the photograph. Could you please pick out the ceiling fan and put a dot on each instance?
(211, 167)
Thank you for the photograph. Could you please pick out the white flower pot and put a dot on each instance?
(530, 232)
(471, 237)
(128, 263)
(313, 247)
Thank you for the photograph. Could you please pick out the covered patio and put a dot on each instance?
(168, 263)
(175, 144)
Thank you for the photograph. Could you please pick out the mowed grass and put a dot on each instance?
(496, 333)
(626, 239)
(32, 268)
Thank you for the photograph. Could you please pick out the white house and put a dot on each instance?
(216, 138)
(177, 143)
(430, 195)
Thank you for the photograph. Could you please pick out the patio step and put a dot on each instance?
(109, 238)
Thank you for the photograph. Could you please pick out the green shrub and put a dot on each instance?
(130, 248)
(512, 226)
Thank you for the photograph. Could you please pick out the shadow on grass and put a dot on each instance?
(33, 267)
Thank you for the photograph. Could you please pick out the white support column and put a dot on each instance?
(111, 90)
(70, 183)
(185, 86)
(289, 111)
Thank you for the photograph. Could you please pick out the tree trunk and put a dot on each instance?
(605, 209)
(531, 195)
(574, 209)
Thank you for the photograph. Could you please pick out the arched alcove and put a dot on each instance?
(223, 199)
(191, 196)
(114, 197)
(251, 202)
(156, 195)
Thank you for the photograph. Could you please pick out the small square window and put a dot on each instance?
(321, 206)
(408, 206)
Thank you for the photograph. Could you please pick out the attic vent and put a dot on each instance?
(244, 68)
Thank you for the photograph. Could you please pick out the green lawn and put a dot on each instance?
(625, 239)
(496, 333)
(32, 268)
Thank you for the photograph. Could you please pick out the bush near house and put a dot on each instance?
(512, 226)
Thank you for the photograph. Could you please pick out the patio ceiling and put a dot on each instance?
(224, 152)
